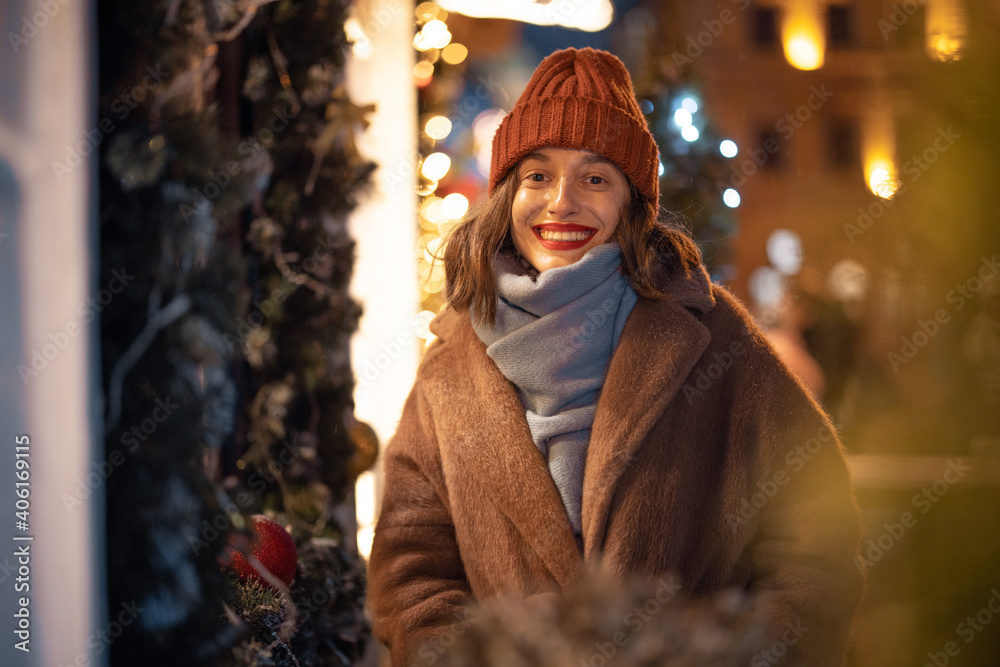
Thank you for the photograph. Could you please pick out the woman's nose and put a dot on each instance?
(562, 198)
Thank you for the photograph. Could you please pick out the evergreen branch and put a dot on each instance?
(244, 21)
(162, 318)
(281, 64)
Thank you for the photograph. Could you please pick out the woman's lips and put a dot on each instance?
(567, 235)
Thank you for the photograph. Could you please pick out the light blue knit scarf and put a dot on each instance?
(553, 339)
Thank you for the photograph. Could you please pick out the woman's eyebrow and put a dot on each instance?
(595, 157)
(536, 155)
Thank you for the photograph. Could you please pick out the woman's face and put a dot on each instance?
(567, 202)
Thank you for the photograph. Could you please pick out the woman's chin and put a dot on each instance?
(544, 258)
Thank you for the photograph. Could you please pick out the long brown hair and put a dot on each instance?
(652, 247)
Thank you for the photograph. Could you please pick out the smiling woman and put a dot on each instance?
(567, 202)
(591, 399)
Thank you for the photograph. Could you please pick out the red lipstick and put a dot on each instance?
(562, 227)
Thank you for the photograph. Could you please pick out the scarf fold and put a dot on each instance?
(553, 339)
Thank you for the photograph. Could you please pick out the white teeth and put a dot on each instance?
(563, 236)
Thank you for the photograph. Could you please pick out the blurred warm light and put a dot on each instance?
(784, 251)
(432, 277)
(423, 70)
(682, 117)
(435, 166)
(690, 133)
(848, 281)
(486, 123)
(878, 150)
(454, 53)
(431, 209)
(454, 205)
(728, 148)
(421, 249)
(731, 198)
(365, 503)
(436, 34)
(421, 43)
(586, 15)
(421, 324)
(946, 26)
(766, 285)
(802, 34)
(361, 46)
(882, 180)
(483, 128)
(366, 536)
(438, 127)
(428, 11)
(433, 251)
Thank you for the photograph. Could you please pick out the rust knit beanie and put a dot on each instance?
(580, 98)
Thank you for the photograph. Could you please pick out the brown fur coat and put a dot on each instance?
(707, 460)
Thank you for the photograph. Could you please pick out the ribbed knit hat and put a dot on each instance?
(580, 98)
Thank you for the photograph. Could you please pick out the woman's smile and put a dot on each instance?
(563, 236)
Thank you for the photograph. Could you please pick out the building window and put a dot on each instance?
(840, 26)
(843, 144)
(764, 27)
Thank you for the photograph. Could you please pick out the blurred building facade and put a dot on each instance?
(866, 133)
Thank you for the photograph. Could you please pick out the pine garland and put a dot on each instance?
(172, 189)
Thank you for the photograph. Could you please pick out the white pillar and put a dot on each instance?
(385, 351)
(47, 270)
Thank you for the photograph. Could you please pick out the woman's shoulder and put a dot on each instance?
(731, 317)
(453, 333)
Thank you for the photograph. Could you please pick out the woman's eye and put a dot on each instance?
(597, 180)
(537, 178)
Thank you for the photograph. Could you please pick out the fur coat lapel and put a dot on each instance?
(661, 342)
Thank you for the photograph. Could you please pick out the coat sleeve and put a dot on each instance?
(417, 586)
(805, 573)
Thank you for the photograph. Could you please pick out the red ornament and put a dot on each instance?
(271, 545)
